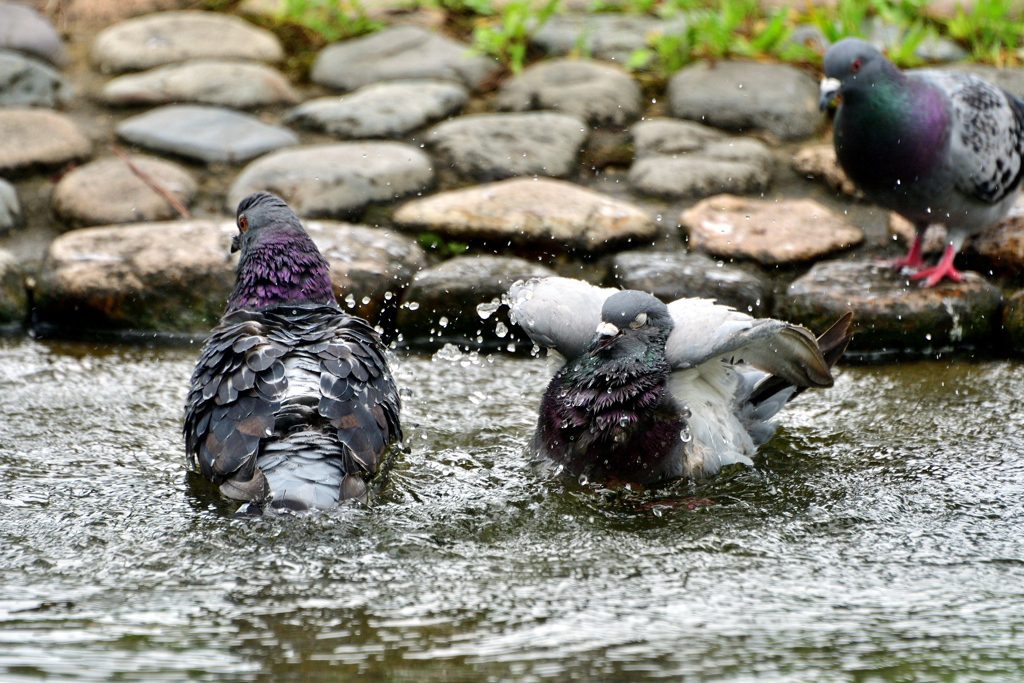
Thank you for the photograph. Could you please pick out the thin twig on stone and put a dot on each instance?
(149, 180)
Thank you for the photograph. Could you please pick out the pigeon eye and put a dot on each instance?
(639, 321)
(855, 67)
(242, 223)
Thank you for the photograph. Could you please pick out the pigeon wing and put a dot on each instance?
(986, 144)
(706, 331)
(558, 313)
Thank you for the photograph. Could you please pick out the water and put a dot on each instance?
(881, 538)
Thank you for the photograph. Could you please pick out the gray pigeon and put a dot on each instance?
(292, 404)
(650, 392)
(934, 146)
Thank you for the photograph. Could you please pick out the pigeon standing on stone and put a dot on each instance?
(651, 392)
(934, 146)
(292, 404)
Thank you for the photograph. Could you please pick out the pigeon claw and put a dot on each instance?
(913, 260)
(940, 271)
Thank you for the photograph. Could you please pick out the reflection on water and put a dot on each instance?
(881, 538)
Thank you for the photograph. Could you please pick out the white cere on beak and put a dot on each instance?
(830, 86)
(607, 330)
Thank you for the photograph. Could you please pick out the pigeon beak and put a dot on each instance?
(236, 243)
(829, 89)
(607, 330)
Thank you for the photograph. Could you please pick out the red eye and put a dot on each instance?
(855, 67)
(242, 224)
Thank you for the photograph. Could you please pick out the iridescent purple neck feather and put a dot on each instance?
(283, 267)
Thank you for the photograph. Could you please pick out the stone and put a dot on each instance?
(1013, 320)
(602, 94)
(400, 52)
(679, 159)
(382, 110)
(534, 213)
(932, 48)
(38, 138)
(102, 13)
(370, 267)
(122, 278)
(385, 11)
(671, 275)
(336, 180)
(10, 209)
(205, 133)
(107, 191)
(497, 146)
(440, 305)
(771, 232)
(741, 96)
(999, 249)
(889, 312)
(13, 297)
(167, 37)
(24, 30)
(901, 230)
(818, 162)
(241, 85)
(28, 82)
(613, 37)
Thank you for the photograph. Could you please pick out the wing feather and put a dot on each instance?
(558, 313)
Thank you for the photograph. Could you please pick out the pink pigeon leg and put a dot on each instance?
(941, 270)
(913, 259)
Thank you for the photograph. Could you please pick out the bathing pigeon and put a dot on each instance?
(934, 146)
(650, 392)
(292, 404)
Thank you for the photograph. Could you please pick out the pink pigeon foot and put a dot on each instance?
(941, 270)
(912, 260)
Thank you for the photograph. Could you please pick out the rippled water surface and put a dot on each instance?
(881, 538)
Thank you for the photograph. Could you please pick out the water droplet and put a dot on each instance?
(583, 480)
(412, 305)
(511, 347)
(350, 301)
(443, 322)
(388, 296)
(486, 310)
(500, 330)
(685, 436)
(449, 352)
(366, 300)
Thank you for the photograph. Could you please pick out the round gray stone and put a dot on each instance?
(10, 209)
(33, 138)
(28, 82)
(241, 85)
(400, 52)
(107, 191)
(888, 311)
(336, 180)
(677, 274)
(612, 37)
(740, 96)
(440, 305)
(167, 37)
(13, 298)
(172, 276)
(498, 146)
(370, 267)
(602, 94)
(381, 110)
(678, 159)
(22, 29)
(532, 213)
(204, 133)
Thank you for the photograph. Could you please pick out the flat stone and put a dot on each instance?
(167, 37)
(241, 85)
(400, 52)
(204, 133)
(602, 94)
(102, 13)
(999, 249)
(107, 191)
(169, 276)
(382, 110)
(1013, 320)
(33, 138)
(671, 275)
(678, 159)
(24, 30)
(28, 82)
(498, 146)
(10, 209)
(741, 96)
(336, 180)
(773, 233)
(613, 37)
(538, 212)
(440, 305)
(13, 298)
(370, 267)
(819, 162)
(888, 311)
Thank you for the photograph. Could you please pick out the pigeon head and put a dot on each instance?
(630, 322)
(279, 263)
(852, 66)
